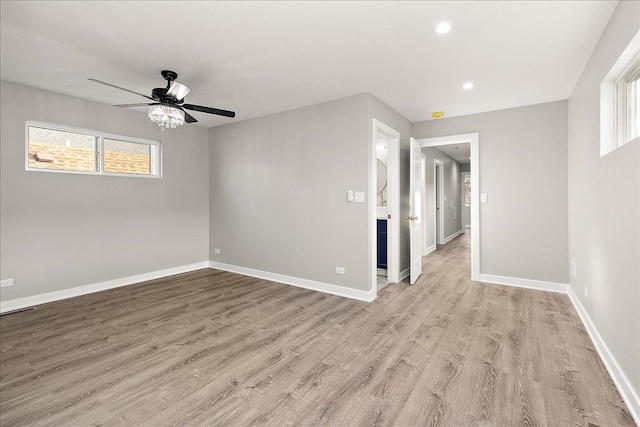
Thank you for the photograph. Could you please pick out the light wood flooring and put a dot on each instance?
(215, 348)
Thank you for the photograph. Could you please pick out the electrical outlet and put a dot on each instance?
(339, 270)
(573, 269)
(350, 196)
(586, 293)
(6, 282)
(216, 250)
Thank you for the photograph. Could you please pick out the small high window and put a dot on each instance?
(629, 104)
(620, 100)
(56, 148)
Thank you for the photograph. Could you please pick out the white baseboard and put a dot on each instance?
(429, 250)
(341, 291)
(629, 395)
(404, 274)
(453, 236)
(19, 303)
(538, 285)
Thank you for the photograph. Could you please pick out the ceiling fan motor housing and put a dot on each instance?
(159, 93)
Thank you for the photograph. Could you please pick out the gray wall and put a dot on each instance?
(604, 200)
(278, 187)
(60, 231)
(382, 112)
(452, 192)
(278, 192)
(523, 169)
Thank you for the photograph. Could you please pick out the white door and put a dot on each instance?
(415, 216)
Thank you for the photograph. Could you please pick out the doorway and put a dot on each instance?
(473, 139)
(384, 206)
(438, 179)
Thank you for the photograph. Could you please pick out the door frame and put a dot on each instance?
(393, 203)
(474, 141)
(438, 190)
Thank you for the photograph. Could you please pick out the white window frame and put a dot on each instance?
(613, 100)
(100, 137)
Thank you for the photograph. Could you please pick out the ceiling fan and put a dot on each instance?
(167, 108)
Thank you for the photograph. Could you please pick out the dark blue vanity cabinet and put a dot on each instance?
(382, 243)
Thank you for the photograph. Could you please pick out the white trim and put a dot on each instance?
(430, 249)
(327, 288)
(621, 381)
(18, 303)
(393, 204)
(538, 285)
(453, 236)
(474, 140)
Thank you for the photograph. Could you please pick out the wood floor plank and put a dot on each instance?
(216, 348)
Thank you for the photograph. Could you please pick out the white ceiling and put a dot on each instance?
(259, 58)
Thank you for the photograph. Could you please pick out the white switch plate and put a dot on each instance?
(339, 270)
(483, 197)
(6, 282)
(350, 196)
(573, 268)
(216, 250)
(586, 293)
(359, 196)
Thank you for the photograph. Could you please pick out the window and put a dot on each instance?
(467, 190)
(628, 103)
(56, 148)
(620, 100)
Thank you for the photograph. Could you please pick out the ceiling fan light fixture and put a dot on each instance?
(166, 116)
(178, 90)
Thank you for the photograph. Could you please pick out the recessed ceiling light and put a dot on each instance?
(437, 114)
(443, 27)
(458, 148)
(468, 85)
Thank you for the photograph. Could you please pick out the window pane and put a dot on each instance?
(59, 150)
(467, 191)
(129, 157)
(633, 107)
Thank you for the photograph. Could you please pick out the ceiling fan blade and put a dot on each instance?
(189, 118)
(143, 104)
(178, 90)
(121, 88)
(209, 110)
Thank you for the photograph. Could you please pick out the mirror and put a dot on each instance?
(381, 174)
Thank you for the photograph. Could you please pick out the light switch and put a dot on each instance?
(359, 196)
(350, 196)
(483, 197)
